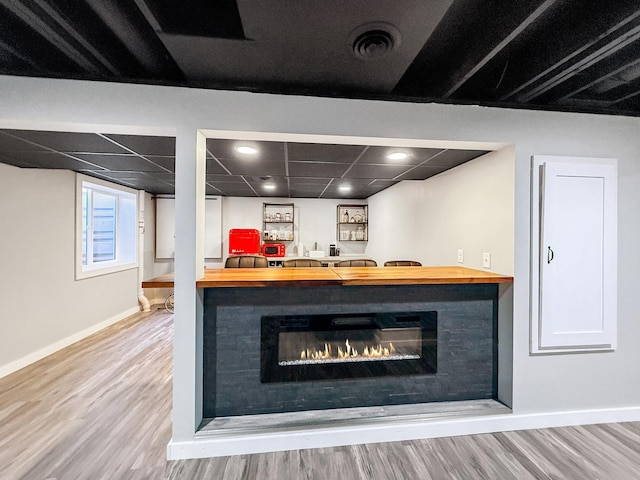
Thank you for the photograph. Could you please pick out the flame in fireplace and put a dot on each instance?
(348, 352)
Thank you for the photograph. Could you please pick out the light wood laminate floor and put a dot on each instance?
(100, 409)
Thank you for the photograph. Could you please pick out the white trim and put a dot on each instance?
(84, 127)
(216, 445)
(351, 140)
(33, 357)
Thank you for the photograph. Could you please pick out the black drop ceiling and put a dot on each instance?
(569, 55)
(297, 170)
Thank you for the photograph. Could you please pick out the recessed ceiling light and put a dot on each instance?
(344, 188)
(246, 150)
(397, 156)
(269, 186)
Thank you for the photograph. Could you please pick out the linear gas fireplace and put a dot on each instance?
(298, 348)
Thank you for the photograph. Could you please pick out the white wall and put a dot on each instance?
(571, 382)
(43, 307)
(395, 219)
(315, 222)
(469, 207)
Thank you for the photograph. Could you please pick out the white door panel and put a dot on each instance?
(576, 298)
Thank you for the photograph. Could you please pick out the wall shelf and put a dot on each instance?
(352, 223)
(278, 222)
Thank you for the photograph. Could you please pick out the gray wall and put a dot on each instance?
(540, 384)
(43, 307)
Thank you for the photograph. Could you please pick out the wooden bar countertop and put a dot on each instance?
(261, 277)
(416, 275)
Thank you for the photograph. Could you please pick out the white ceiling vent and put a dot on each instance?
(373, 41)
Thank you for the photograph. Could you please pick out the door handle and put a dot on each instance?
(550, 254)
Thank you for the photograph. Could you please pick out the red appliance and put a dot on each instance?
(244, 241)
(273, 249)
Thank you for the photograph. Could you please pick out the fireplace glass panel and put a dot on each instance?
(312, 348)
(316, 347)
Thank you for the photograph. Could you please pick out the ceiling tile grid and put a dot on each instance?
(274, 169)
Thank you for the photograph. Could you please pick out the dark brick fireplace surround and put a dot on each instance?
(466, 347)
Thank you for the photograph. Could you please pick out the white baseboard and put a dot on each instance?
(216, 445)
(65, 342)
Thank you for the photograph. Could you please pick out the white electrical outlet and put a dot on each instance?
(460, 255)
(486, 260)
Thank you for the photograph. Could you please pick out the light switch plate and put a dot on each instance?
(460, 255)
(486, 260)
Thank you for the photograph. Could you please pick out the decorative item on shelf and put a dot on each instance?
(353, 234)
(278, 217)
(290, 235)
(345, 216)
(344, 234)
(352, 220)
(360, 233)
(358, 217)
(287, 217)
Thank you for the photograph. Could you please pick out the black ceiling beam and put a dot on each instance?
(470, 68)
(609, 80)
(621, 94)
(470, 35)
(630, 101)
(129, 25)
(600, 85)
(13, 52)
(625, 34)
(564, 31)
(576, 29)
(53, 26)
